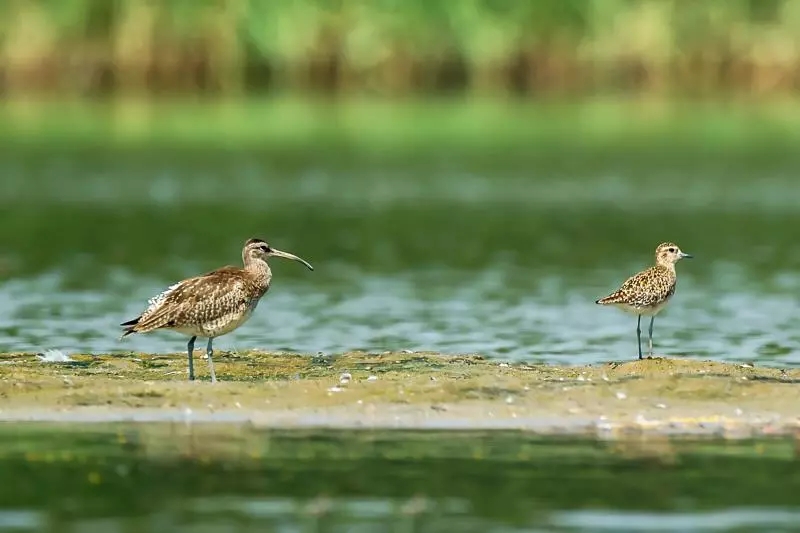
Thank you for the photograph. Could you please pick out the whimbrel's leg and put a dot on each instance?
(639, 334)
(190, 349)
(650, 331)
(210, 353)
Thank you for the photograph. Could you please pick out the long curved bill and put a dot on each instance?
(287, 255)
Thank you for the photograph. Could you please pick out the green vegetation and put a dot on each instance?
(394, 47)
(424, 128)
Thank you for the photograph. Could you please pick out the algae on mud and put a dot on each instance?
(408, 390)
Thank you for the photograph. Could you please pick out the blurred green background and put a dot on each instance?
(393, 76)
(401, 48)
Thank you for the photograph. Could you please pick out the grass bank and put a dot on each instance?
(413, 390)
(367, 46)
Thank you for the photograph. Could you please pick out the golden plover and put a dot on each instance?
(648, 292)
(213, 304)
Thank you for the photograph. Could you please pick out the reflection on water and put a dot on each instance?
(777, 520)
(287, 515)
(206, 478)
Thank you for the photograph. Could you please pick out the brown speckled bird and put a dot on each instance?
(648, 292)
(212, 304)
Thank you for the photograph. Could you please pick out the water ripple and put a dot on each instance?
(444, 312)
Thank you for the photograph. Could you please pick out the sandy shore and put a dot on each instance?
(408, 390)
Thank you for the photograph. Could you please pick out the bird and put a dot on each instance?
(212, 304)
(647, 292)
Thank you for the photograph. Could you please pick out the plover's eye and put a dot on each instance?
(672, 250)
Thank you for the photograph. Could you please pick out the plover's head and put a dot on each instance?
(668, 253)
(259, 249)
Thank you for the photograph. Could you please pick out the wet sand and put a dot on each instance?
(408, 390)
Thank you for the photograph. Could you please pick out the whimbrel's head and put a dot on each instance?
(259, 249)
(668, 253)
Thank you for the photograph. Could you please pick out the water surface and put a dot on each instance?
(502, 253)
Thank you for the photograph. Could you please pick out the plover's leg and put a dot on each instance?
(190, 349)
(639, 334)
(210, 353)
(650, 331)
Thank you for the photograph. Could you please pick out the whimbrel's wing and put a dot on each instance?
(197, 300)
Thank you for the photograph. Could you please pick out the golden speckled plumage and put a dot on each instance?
(647, 292)
(213, 304)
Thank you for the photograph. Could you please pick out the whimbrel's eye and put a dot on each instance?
(265, 249)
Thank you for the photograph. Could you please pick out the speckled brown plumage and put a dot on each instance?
(206, 306)
(647, 292)
(213, 304)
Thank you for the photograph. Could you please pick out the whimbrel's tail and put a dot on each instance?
(130, 326)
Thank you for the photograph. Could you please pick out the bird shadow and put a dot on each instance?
(617, 364)
(72, 364)
(382, 363)
(153, 363)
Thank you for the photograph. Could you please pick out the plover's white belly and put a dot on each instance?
(651, 310)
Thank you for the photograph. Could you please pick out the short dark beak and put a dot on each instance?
(686, 256)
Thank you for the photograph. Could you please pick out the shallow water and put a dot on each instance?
(448, 254)
(205, 478)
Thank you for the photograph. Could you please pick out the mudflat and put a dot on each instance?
(408, 390)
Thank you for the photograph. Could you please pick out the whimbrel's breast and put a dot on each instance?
(224, 322)
(229, 321)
